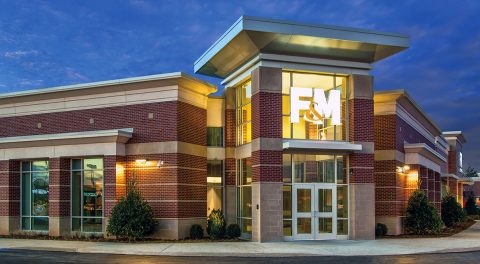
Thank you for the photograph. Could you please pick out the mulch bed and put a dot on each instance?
(445, 233)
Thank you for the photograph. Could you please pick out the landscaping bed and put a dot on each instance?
(446, 232)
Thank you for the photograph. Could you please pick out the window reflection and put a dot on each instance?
(35, 183)
(244, 113)
(87, 195)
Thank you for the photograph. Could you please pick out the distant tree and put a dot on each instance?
(452, 211)
(470, 172)
(470, 206)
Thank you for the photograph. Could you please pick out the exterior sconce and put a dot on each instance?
(403, 169)
(144, 162)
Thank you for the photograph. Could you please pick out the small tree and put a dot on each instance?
(470, 172)
(452, 212)
(132, 217)
(471, 206)
(216, 224)
(422, 217)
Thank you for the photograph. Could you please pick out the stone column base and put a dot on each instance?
(59, 226)
(230, 209)
(362, 211)
(9, 225)
(177, 228)
(393, 223)
(267, 211)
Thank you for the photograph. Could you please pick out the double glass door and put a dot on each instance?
(314, 211)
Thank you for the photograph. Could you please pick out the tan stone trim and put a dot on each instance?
(367, 147)
(275, 144)
(267, 165)
(360, 86)
(94, 149)
(171, 184)
(215, 153)
(389, 155)
(166, 147)
(229, 153)
(243, 151)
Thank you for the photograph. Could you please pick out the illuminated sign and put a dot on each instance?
(317, 109)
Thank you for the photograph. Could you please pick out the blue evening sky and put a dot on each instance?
(52, 43)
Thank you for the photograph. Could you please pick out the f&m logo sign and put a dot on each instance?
(317, 109)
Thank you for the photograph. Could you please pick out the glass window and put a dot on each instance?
(35, 183)
(215, 136)
(214, 185)
(244, 179)
(87, 195)
(244, 113)
(305, 129)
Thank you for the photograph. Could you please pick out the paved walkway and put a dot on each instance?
(468, 240)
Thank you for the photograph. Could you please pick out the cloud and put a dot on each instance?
(20, 53)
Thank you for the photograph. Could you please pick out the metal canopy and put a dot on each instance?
(250, 36)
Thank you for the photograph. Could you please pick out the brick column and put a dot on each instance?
(361, 164)
(267, 149)
(9, 196)
(59, 197)
(230, 163)
(114, 180)
(431, 186)
(423, 178)
(438, 192)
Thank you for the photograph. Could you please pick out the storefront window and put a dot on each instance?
(87, 195)
(324, 128)
(214, 136)
(244, 179)
(34, 182)
(244, 113)
(214, 185)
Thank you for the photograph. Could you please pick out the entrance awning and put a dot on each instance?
(318, 145)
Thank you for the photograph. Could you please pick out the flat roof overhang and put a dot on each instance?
(320, 146)
(249, 36)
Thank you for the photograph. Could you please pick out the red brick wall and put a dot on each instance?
(452, 161)
(9, 188)
(59, 187)
(230, 128)
(169, 117)
(267, 123)
(361, 122)
(385, 132)
(177, 189)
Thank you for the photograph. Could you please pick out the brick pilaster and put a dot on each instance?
(9, 196)
(59, 196)
(267, 215)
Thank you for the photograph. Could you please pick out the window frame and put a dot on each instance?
(30, 216)
(81, 217)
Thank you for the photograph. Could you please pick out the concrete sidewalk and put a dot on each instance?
(468, 240)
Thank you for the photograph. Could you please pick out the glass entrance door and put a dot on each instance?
(314, 211)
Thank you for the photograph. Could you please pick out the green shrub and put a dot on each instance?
(132, 217)
(196, 232)
(422, 217)
(216, 224)
(381, 230)
(233, 231)
(452, 212)
(471, 206)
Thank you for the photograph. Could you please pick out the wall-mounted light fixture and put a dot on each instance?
(149, 163)
(403, 169)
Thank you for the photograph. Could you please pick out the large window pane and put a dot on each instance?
(34, 198)
(287, 201)
(87, 195)
(305, 129)
(244, 113)
(342, 201)
(214, 185)
(214, 136)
